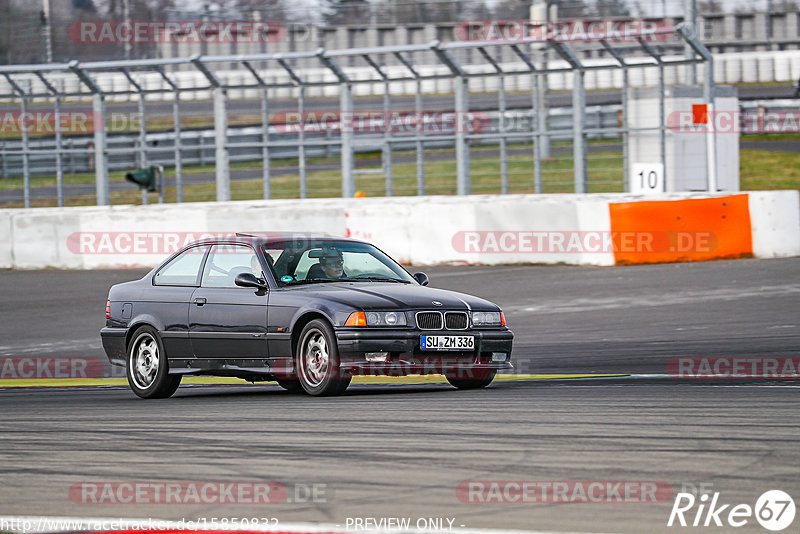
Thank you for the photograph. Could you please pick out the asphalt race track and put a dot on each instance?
(384, 451)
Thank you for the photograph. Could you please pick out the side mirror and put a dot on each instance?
(249, 280)
(422, 278)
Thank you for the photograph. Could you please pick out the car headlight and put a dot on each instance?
(386, 319)
(488, 318)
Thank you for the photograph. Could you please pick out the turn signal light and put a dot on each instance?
(356, 319)
(502, 319)
(108, 309)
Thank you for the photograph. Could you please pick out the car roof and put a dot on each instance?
(266, 238)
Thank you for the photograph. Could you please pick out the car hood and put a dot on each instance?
(376, 295)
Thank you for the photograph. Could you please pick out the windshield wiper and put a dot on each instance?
(375, 279)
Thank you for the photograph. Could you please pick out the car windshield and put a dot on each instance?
(303, 261)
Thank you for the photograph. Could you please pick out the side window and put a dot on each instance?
(303, 265)
(226, 262)
(272, 256)
(183, 270)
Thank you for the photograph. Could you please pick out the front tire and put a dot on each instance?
(148, 369)
(317, 361)
(480, 380)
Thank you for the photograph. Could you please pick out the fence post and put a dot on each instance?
(690, 18)
(100, 166)
(265, 139)
(348, 167)
(662, 126)
(222, 163)
(143, 144)
(462, 143)
(99, 121)
(578, 117)
(420, 117)
(461, 90)
(26, 171)
(176, 120)
(578, 136)
(59, 164)
(220, 142)
(711, 139)
(541, 115)
(301, 145)
(387, 144)
(3, 157)
(708, 97)
(624, 124)
(538, 153)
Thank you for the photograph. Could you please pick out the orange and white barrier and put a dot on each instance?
(596, 229)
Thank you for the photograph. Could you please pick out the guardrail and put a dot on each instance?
(197, 146)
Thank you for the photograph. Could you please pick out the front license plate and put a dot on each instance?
(447, 342)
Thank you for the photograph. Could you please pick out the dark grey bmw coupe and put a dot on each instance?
(308, 312)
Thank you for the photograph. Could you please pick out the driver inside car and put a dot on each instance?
(330, 266)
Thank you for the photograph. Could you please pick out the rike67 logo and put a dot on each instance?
(774, 510)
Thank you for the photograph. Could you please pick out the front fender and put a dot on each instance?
(335, 317)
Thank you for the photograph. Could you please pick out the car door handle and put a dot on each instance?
(200, 301)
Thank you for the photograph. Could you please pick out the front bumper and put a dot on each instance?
(406, 356)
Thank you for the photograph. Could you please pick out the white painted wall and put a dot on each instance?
(775, 223)
(417, 230)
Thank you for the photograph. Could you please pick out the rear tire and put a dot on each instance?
(148, 367)
(317, 361)
(481, 379)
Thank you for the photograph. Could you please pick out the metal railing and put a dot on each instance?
(482, 64)
(197, 146)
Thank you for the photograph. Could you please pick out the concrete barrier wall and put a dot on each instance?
(597, 229)
(6, 240)
(773, 216)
